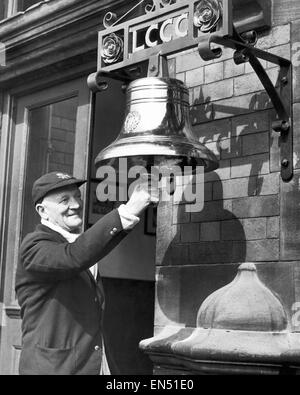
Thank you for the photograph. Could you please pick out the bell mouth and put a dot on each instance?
(188, 166)
(165, 152)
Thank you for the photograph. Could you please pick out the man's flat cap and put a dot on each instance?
(52, 181)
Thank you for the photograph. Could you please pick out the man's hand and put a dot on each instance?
(143, 194)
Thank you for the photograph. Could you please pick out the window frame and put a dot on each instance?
(16, 147)
(12, 7)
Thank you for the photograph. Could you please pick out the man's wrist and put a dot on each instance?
(128, 219)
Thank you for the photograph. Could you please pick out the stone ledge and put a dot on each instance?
(216, 351)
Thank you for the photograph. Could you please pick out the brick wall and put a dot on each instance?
(244, 216)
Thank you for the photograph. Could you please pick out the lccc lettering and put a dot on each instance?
(160, 32)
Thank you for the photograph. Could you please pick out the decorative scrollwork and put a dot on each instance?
(112, 48)
(207, 15)
(157, 4)
(109, 19)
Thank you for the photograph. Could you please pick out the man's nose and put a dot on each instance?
(75, 203)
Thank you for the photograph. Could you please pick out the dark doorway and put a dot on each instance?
(128, 272)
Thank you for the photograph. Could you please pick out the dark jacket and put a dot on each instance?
(61, 303)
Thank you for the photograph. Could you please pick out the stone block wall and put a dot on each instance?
(249, 214)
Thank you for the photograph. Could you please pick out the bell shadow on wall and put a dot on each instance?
(234, 144)
(190, 272)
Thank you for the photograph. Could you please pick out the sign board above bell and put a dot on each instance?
(170, 26)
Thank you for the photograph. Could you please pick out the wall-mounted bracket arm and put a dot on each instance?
(98, 82)
(157, 67)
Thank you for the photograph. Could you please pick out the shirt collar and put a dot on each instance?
(70, 237)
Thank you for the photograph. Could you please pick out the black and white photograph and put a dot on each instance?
(150, 190)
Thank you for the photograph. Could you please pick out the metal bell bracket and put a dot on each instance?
(97, 84)
(280, 94)
(157, 67)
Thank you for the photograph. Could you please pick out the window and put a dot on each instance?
(11, 7)
(51, 133)
(3, 9)
(51, 144)
(24, 4)
(52, 138)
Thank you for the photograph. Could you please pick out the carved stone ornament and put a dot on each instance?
(112, 48)
(242, 327)
(207, 15)
(244, 304)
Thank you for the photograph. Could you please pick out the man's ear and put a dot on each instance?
(41, 210)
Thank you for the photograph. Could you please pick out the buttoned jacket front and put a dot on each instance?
(61, 303)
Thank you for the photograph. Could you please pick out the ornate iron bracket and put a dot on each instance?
(168, 27)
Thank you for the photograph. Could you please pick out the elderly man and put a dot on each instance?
(57, 286)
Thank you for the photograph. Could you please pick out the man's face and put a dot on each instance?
(63, 207)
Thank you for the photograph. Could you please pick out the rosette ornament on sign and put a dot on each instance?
(207, 15)
(112, 48)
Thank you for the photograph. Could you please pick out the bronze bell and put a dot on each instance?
(157, 128)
